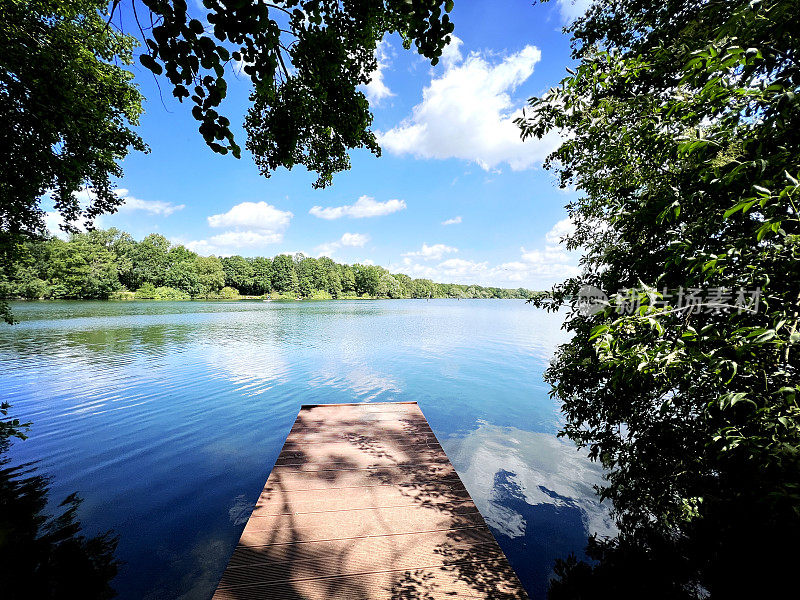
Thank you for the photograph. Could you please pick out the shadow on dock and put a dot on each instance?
(363, 504)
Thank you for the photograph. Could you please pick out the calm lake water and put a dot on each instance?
(166, 417)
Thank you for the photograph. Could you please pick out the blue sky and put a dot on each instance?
(456, 196)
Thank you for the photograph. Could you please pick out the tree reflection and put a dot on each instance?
(44, 555)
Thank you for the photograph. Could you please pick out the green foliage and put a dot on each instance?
(168, 293)
(210, 274)
(305, 59)
(226, 293)
(262, 276)
(239, 273)
(123, 294)
(150, 261)
(81, 268)
(108, 263)
(182, 275)
(150, 292)
(348, 280)
(146, 292)
(284, 276)
(66, 107)
(67, 102)
(683, 123)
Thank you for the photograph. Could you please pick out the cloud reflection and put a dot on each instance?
(535, 492)
(541, 468)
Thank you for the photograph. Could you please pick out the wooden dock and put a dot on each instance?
(363, 504)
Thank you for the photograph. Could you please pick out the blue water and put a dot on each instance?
(166, 417)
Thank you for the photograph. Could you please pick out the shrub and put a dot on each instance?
(226, 293)
(123, 294)
(146, 292)
(168, 293)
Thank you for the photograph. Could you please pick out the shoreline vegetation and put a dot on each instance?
(111, 265)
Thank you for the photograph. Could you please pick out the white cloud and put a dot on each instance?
(452, 270)
(251, 239)
(202, 247)
(563, 228)
(53, 222)
(230, 242)
(451, 54)
(573, 9)
(434, 252)
(458, 267)
(353, 240)
(543, 470)
(253, 215)
(376, 90)
(551, 263)
(327, 249)
(86, 196)
(453, 221)
(535, 268)
(468, 113)
(130, 203)
(154, 207)
(364, 207)
(252, 225)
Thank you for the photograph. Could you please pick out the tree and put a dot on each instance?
(146, 292)
(210, 274)
(367, 279)
(82, 268)
(27, 277)
(94, 264)
(334, 283)
(423, 288)
(262, 275)
(123, 246)
(406, 284)
(150, 260)
(305, 268)
(183, 275)
(348, 280)
(238, 273)
(67, 103)
(305, 59)
(284, 277)
(389, 286)
(66, 107)
(683, 122)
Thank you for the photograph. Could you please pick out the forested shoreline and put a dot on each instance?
(111, 264)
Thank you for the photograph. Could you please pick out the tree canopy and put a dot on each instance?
(681, 122)
(68, 104)
(305, 59)
(103, 264)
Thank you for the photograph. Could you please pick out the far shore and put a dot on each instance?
(236, 299)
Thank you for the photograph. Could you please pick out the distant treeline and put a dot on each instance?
(103, 264)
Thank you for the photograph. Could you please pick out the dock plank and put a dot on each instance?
(363, 504)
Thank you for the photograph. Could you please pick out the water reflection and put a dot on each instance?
(43, 552)
(535, 492)
(167, 417)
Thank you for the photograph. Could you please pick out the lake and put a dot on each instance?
(166, 417)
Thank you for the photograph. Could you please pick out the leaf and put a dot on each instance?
(149, 63)
(744, 206)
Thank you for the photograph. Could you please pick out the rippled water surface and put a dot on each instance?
(166, 417)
